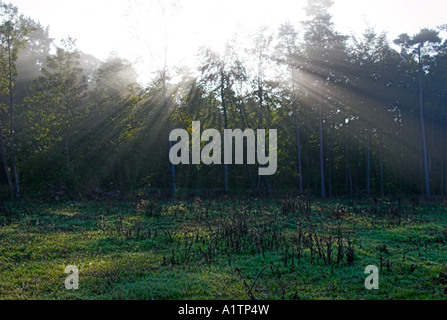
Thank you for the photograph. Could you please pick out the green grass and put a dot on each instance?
(223, 249)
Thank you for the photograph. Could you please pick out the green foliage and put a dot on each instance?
(228, 249)
(345, 109)
(45, 170)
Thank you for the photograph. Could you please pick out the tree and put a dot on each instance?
(420, 47)
(372, 79)
(325, 55)
(219, 72)
(32, 58)
(57, 101)
(13, 33)
(110, 120)
(288, 54)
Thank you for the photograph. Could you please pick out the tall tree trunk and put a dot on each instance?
(368, 163)
(297, 125)
(424, 137)
(351, 190)
(298, 143)
(5, 164)
(441, 178)
(224, 107)
(382, 187)
(330, 161)
(405, 173)
(166, 105)
(323, 191)
(11, 116)
(346, 168)
(174, 187)
(400, 167)
(67, 146)
(121, 169)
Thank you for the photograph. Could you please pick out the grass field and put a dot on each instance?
(224, 249)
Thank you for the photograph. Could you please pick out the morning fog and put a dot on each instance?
(256, 151)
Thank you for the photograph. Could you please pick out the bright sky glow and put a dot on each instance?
(135, 29)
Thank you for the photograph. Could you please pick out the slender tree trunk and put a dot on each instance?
(224, 107)
(121, 185)
(424, 137)
(67, 146)
(262, 180)
(166, 107)
(13, 155)
(347, 168)
(174, 187)
(405, 173)
(441, 178)
(421, 166)
(330, 162)
(323, 191)
(5, 164)
(11, 115)
(297, 126)
(298, 143)
(320, 97)
(351, 190)
(402, 169)
(368, 163)
(382, 187)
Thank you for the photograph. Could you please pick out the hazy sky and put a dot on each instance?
(134, 28)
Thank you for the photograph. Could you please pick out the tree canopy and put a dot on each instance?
(355, 115)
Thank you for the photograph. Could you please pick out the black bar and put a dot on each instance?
(223, 309)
